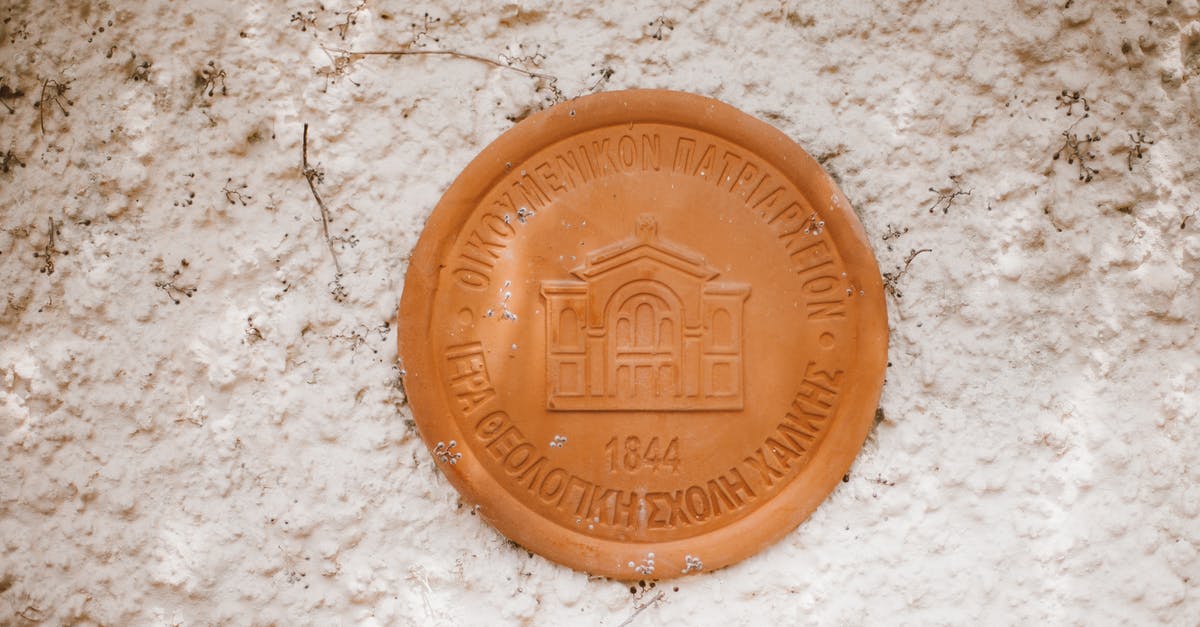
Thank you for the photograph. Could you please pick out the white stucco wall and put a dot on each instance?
(245, 455)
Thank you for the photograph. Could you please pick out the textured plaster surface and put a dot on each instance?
(245, 455)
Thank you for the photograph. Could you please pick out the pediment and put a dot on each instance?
(645, 245)
(646, 254)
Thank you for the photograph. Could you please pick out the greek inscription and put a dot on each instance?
(747, 174)
(467, 377)
(678, 515)
(571, 173)
(479, 253)
(627, 150)
(506, 443)
(698, 504)
(558, 487)
(651, 152)
(706, 161)
(683, 154)
(515, 459)
(546, 171)
(782, 452)
(577, 492)
(553, 484)
(825, 309)
(787, 448)
(735, 485)
(789, 215)
(530, 475)
(696, 501)
(533, 195)
(768, 473)
(601, 152)
(490, 425)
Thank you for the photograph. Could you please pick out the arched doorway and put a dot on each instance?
(645, 342)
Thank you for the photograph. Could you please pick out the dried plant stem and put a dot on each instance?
(311, 175)
(354, 55)
(891, 280)
(638, 609)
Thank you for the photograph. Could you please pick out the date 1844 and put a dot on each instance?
(630, 454)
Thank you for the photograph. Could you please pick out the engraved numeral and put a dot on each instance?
(671, 456)
(627, 454)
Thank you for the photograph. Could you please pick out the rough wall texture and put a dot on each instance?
(200, 420)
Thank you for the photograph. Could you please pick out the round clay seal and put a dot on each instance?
(644, 334)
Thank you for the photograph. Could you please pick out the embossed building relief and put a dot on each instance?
(646, 327)
(644, 334)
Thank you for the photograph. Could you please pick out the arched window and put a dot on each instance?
(624, 334)
(666, 334)
(722, 328)
(644, 326)
(568, 328)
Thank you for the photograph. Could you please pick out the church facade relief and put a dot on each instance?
(644, 328)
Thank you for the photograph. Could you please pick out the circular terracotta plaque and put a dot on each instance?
(644, 333)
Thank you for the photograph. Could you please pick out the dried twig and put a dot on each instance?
(891, 280)
(25, 614)
(351, 56)
(8, 93)
(638, 609)
(50, 250)
(306, 20)
(1137, 148)
(207, 78)
(357, 54)
(946, 198)
(662, 23)
(1183, 223)
(172, 290)
(893, 232)
(1069, 99)
(141, 71)
(351, 19)
(58, 92)
(602, 76)
(312, 175)
(8, 160)
(1078, 152)
(234, 194)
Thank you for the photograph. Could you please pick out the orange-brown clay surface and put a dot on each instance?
(644, 333)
